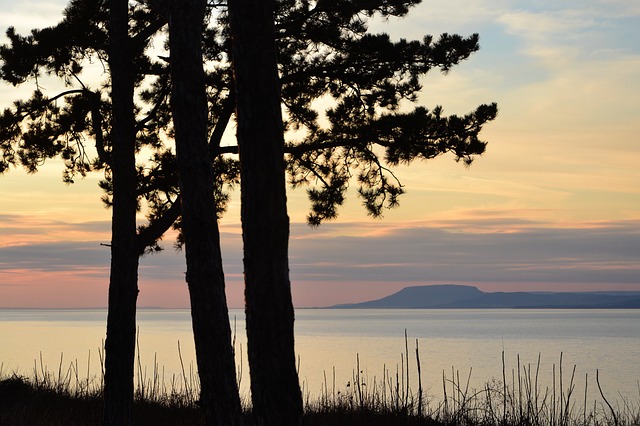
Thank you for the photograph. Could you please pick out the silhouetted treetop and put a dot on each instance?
(370, 83)
(349, 100)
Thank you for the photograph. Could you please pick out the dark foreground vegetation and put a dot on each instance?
(64, 398)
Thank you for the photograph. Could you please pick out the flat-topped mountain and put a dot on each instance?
(461, 296)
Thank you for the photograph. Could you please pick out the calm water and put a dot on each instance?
(450, 341)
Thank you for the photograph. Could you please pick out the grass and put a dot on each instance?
(68, 397)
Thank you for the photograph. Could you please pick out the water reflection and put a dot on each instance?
(330, 340)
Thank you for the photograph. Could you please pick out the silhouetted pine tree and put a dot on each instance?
(205, 277)
(123, 282)
(275, 389)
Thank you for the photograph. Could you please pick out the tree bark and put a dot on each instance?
(275, 388)
(205, 277)
(123, 282)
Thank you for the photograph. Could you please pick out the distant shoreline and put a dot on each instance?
(452, 296)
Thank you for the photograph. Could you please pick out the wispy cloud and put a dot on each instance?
(483, 248)
(475, 251)
(54, 256)
(17, 230)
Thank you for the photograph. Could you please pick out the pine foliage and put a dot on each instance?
(349, 97)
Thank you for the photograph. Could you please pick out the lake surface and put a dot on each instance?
(330, 343)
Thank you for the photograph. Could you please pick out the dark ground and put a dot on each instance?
(22, 404)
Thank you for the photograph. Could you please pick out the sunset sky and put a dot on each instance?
(554, 204)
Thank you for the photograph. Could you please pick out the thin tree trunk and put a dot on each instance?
(275, 388)
(205, 277)
(123, 283)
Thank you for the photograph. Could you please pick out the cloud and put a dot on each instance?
(26, 15)
(481, 249)
(604, 253)
(56, 256)
(19, 230)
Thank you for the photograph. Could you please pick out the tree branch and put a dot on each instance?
(148, 236)
(165, 92)
(139, 39)
(96, 123)
(24, 113)
(215, 139)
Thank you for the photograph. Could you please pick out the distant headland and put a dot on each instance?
(450, 296)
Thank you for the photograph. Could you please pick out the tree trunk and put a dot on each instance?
(123, 283)
(265, 225)
(205, 277)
